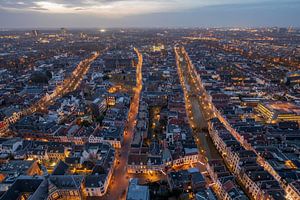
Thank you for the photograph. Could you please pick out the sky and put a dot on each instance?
(148, 13)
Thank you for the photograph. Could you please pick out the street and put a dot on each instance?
(119, 184)
(210, 110)
(70, 84)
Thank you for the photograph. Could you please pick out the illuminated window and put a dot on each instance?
(55, 195)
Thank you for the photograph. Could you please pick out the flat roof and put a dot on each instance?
(137, 192)
(283, 107)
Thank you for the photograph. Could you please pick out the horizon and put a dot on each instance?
(141, 28)
(148, 13)
(149, 99)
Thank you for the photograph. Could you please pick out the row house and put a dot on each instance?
(143, 163)
(112, 135)
(226, 185)
(190, 156)
(293, 190)
(260, 184)
(237, 159)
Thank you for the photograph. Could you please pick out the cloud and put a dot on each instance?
(110, 7)
(98, 7)
(148, 13)
(257, 14)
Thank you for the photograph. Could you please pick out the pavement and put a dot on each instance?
(120, 178)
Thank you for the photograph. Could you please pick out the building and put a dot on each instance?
(56, 152)
(65, 187)
(112, 135)
(275, 112)
(190, 180)
(111, 100)
(21, 167)
(137, 192)
(205, 195)
(226, 186)
(190, 156)
(27, 187)
(158, 47)
(143, 163)
(95, 185)
(292, 78)
(10, 171)
(293, 190)
(101, 104)
(10, 145)
(37, 154)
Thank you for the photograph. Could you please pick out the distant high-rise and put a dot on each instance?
(282, 30)
(83, 35)
(35, 33)
(63, 31)
(290, 30)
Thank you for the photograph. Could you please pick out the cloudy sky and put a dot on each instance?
(148, 13)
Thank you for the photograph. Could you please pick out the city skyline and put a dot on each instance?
(149, 113)
(148, 13)
(149, 99)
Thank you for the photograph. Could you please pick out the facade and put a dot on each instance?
(64, 187)
(259, 183)
(142, 163)
(37, 154)
(111, 100)
(226, 186)
(191, 156)
(96, 185)
(293, 190)
(111, 135)
(279, 111)
(56, 153)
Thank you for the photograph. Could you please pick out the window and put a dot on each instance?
(55, 195)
